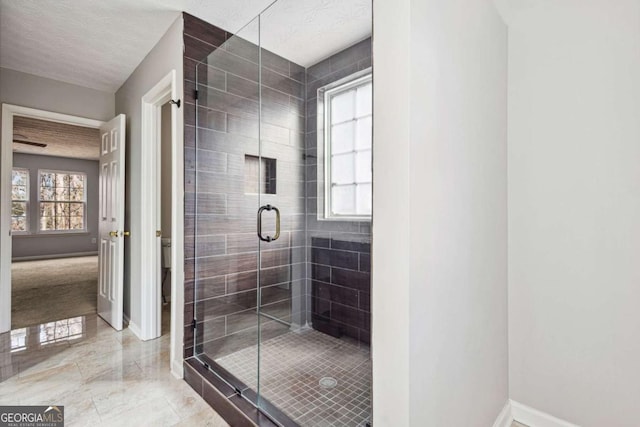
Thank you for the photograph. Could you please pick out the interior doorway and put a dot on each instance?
(48, 202)
(162, 217)
(54, 213)
(164, 196)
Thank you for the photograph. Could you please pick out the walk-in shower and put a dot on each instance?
(279, 208)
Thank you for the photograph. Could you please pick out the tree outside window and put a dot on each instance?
(19, 200)
(62, 201)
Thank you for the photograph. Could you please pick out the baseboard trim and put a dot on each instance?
(505, 419)
(534, 418)
(54, 256)
(177, 369)
(136, 330)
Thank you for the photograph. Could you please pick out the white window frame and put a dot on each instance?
(324, 96)
(84, 202)
(27, 201)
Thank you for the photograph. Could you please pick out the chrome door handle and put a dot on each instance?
(260, 211)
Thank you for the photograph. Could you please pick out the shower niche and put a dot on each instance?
(259, 175)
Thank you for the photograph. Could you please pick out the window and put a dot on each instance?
(347, 148)
(19, 200)
(62, 200)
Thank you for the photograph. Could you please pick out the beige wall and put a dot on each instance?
(574, 209)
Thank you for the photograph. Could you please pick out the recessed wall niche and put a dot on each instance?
(259, 175)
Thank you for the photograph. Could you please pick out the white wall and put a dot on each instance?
(390, 227)
(574, 209)
(440, 258)
(164, 57)
(32, 91)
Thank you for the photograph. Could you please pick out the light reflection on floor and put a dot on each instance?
(101, 376)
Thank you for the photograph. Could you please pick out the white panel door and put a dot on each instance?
(111, 270)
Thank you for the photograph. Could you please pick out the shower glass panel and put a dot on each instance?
(316, 120)
(228, 181)
(282, 285)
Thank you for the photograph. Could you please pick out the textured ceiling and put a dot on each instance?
(61, 140)
(92, 43)
(98, 43)
(307, 31)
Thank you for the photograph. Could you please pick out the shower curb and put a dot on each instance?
(225, 400)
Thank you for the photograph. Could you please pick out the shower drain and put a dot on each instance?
(328, 382)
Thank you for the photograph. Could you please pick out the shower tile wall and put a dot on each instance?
(339, 284)
(221, 247)
(341, 287)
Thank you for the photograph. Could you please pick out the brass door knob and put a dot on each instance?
(125, 234)
(113, 233)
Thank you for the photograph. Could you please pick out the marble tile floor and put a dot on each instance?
(102, 377)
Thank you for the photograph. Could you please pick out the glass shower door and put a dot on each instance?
(314, 364)
(283, 288)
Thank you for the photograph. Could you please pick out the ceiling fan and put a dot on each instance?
(24, 141)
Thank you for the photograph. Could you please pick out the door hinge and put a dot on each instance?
(195, 94)
(194, 324)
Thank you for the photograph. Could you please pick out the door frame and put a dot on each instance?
(151, 251)
(9, 111)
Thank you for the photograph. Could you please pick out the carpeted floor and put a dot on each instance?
(55, 289)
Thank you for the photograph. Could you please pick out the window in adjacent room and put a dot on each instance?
(347, 115)
(62, 200)
(19, 201)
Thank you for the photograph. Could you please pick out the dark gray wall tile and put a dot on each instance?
(204, 31)
(197, 49)
(335, 258)
(351, 279)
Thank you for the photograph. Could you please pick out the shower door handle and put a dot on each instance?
(260, 211)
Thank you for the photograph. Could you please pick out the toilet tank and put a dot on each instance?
(166, 253)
